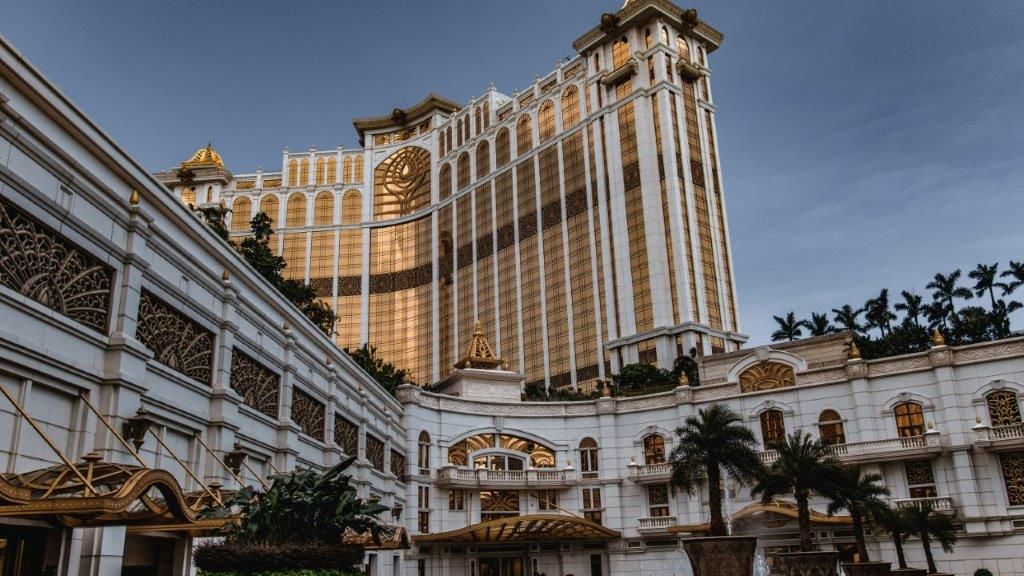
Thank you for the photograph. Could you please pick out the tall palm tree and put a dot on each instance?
(847, 318)
(910, 306)
(877, 312)
(789, 328)
(804, 466)
(927, 524)
(897, 524)
(713, 440)
(985, 281)
(1016, 274)
(937, 313)
(861, 495)
(818, 324)
(946, 290)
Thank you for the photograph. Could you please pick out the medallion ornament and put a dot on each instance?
(767, 376)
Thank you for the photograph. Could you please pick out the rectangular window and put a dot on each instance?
(547, 500)
(920, 479)
(423, 521)
(657, 500)
(592, 507)
(456, 499)
(423, 497)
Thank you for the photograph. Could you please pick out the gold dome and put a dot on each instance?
(203, 157)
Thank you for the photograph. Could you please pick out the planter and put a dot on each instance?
(721, 555)
(867, 568)
(909, 572)
(807, 563)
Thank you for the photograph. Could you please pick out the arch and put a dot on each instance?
(620, 52)
(323, 209)
(466, 128)
(487, 114)
(304, 172)
(654, 449)
(448, 139)
(332, 170)
(402, 183)
(570, 107)
(762, 354)
(209, 194)
(909, 419)
(1003, 407)
(293, 173)
(478, 121)
(540, 454)
(357, 169)
(483, 159)
(444, 184)
(462, 170)
(241, 214)
(502, 147)
(648, 39)
(982, 392)
(458, 132)
(270, 206)
(664, 35)
(352, 207)
(188, 195)
(889, 405)
(546, 120)
(423, 453)
(682, 49)
(770, 404)
(767, 376)
(597, 62)
(295, 212)
(773, 427)
(830, 427)
(524, 134)
(320, 168)
(346, 169)
(440, 146)
(590, 462)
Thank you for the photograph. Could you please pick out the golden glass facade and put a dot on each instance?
(548, 216)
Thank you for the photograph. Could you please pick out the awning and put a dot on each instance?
(780, 507)
(532, 528)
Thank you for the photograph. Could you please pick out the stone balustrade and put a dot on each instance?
(484, 478)
(889, 449)
(941, 504)
(655, 523)
(650, 473)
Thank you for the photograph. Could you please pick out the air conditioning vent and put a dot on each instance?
(635, 545)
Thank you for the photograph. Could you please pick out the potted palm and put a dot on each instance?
(861, 495)
(296, 526)
(708, 443)
(928, 525)
(804, 466)
(896, 523)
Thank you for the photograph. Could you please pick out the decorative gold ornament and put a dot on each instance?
(937, 338)
(854, 351)
(204, 158)
(767, 376)
(308, 413)
(134, 198)
(257, 385)
(176, 341)
(1003, 408)
(479, 353)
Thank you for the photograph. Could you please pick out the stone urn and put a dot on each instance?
(867, 568)
(909, 572)
(807, 563)
(721, 555)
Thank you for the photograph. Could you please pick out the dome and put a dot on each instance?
(203, 157)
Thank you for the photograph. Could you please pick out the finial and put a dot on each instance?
(977, 418)
(684, 380)
(854, 351)
(478, 328)
(937, 338)
(135, 198)
(286, 326)
(225, 276)
(491, 86)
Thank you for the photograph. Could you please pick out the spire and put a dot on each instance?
(479, 353)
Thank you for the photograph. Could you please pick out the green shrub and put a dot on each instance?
(982, 572)
(312, 557)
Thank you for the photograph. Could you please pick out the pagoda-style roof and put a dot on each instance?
(401, 117)
(479, 353)
(205, 157)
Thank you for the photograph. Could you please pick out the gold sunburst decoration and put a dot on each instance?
(767, 376)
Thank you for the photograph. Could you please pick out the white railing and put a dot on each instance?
(644, 471)
(855, 449)
(483, 476)
(937, 503)
(1009, 432)
(656, 523)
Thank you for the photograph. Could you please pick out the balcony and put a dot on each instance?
(1009, 437)
(655, 524)
(873, 451)
(649, 473)
(484, 478)
(941, 504)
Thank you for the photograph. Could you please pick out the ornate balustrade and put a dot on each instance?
(650, 473)
(484, 478)
(889, 449)
(1009, 437)
(942, 504)
(655, 523)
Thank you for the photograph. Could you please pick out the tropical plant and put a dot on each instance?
(708, 443)
(643, 376)
(804, 466)
(1016, 275)
(215, 218)
(818, 324)
(984, 276)
(877, 312)
(789, 328)
(947, 291)
(897, 524)
(905, 338)
(385, 373)
(928, 525)
(847, 318)
(861, 495)
(911, 307)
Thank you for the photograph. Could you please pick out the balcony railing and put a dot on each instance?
(470, 477)
(650, 472)
(941, 504)
(655, 523)
(875, 449)
(1009, 436)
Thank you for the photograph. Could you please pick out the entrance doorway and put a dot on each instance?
(501, 567)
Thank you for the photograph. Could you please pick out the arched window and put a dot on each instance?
(293, 173)
(654, 449)
(402, 183)
(487, 115)
(458, 132)
(648, 39)
(295, 214)
(269, 206)
(682, 49)
(570, 107)
(357, 169)
(589, 463)
(448, 139)
(909, 419)
(351, 207)
(188, 196)
(597, 62)
(241, 214)
(524, 134)
(444, 185)
(830, 426)
(323, 209)
(620, 53)
(546, 121)
(209, 194)
(423, 456)
(466, 128)
(304, 172)
(462, 170)
(346, 169)
(320, 170)
(478, 117)
(440, 146)
(502, 147)
(332, 170)
(773, 429)
(483, 159)
(1003, 408)
(664, 35)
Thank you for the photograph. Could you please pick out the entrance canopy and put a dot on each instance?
(532, 528)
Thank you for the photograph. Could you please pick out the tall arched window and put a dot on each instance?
(620, 53)
(502, 147)
(423, 455)
(402, 183)
(304, 172)
(269, 206)
(295, 214)
(320, 166)
(323, 209)
(332, 170)
(458, 132)
(830, 426)
(444, 184)
(209, 194)
(241, 214)
(546, 121)
(188, 196)
(346, 169)
(648, 39)
(682, 49)
(466, 128)
(357, 169)
(524, 134)
(909, 419)
(462, 170)
(589, 462)
(773, 428)
(440, 146)
(478, 117)
(483, 159)
(293, 173)
(1003, 408)
(448, 139)
(351, 207)
(570, 107)
(654, 449)
(487, 115)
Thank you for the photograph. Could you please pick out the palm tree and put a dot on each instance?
(897, 524)
(861, 495)
(946, 290)
(1016, 272)
(937, 313)
(985, 281)
(804, 466)
(911, 306)
(714, 440)
(877, 312)
(927, 524)
(789, 328)
(846, 317)
(818, 324)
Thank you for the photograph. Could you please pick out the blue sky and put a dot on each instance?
(864, 144)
